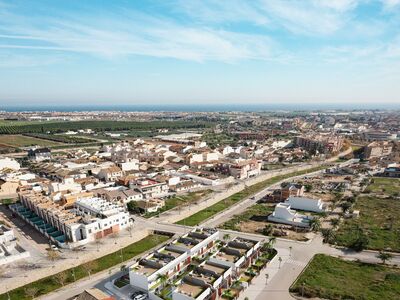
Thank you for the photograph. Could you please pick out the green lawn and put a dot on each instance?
(180, 200)
(49, 284)
(204, 214)
(332, 278)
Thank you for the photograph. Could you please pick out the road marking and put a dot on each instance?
(296, 262)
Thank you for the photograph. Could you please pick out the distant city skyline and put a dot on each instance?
(261, 52)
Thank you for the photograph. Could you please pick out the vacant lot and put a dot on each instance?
(379, 217)
(387, 186)
(332, 278)
(25, 141)
(254, 214)
(179, 201)
(380, 221)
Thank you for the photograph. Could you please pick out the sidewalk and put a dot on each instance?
(260, 283)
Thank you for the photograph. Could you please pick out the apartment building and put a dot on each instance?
(150, 188)
(325, 144)
(217, 265)
(377, 149)
(89, 218)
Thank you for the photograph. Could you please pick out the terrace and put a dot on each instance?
(186, 242)
(229, 254)
(170, 251)
(190, 287)
(217, 269)
(147, 267)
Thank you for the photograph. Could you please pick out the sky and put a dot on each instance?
(81, 52)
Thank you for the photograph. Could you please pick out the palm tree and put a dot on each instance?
(163, 279)
(384, 256)
(335, 223)
(226, 237)
(272, 241)
(315, 224)
(328, 235)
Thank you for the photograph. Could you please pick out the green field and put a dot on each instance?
(49, 284)
(212, 210)
(379, 217)
(332, 278)
(25, 141)
(388, 186)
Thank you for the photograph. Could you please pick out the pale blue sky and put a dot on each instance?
(199, 52)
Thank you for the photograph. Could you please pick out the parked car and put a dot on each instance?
(138, 296)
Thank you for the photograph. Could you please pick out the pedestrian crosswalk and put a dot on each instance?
(296, 263)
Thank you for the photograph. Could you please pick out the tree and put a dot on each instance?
(31, 292)
(133, 207)
(60, 278)
(308, 188)
(272, 241)
(335, 222)
(345, 206)
(384, 256)
(163, 278)
(89, 267)
(114, 236)
(361, 242)
(130, 229)
(53, 255)
(267, 230)
(328, 235)
(226, 237)
(98, 242)
(315, 224)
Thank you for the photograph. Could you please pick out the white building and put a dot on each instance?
(285, 215)
(68, 184)
(10, 251)
(307, 204)
(89, 219)
(9, 163)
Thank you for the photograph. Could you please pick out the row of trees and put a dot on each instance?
(58, 127)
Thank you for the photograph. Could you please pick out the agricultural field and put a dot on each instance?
(59, 127)
(379, 217)
(17, 141)
(67, 139)
(328, 277)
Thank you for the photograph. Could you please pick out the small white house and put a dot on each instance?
(285, 215)
(307, 204)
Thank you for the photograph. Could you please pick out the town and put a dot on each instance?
(193, 206)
